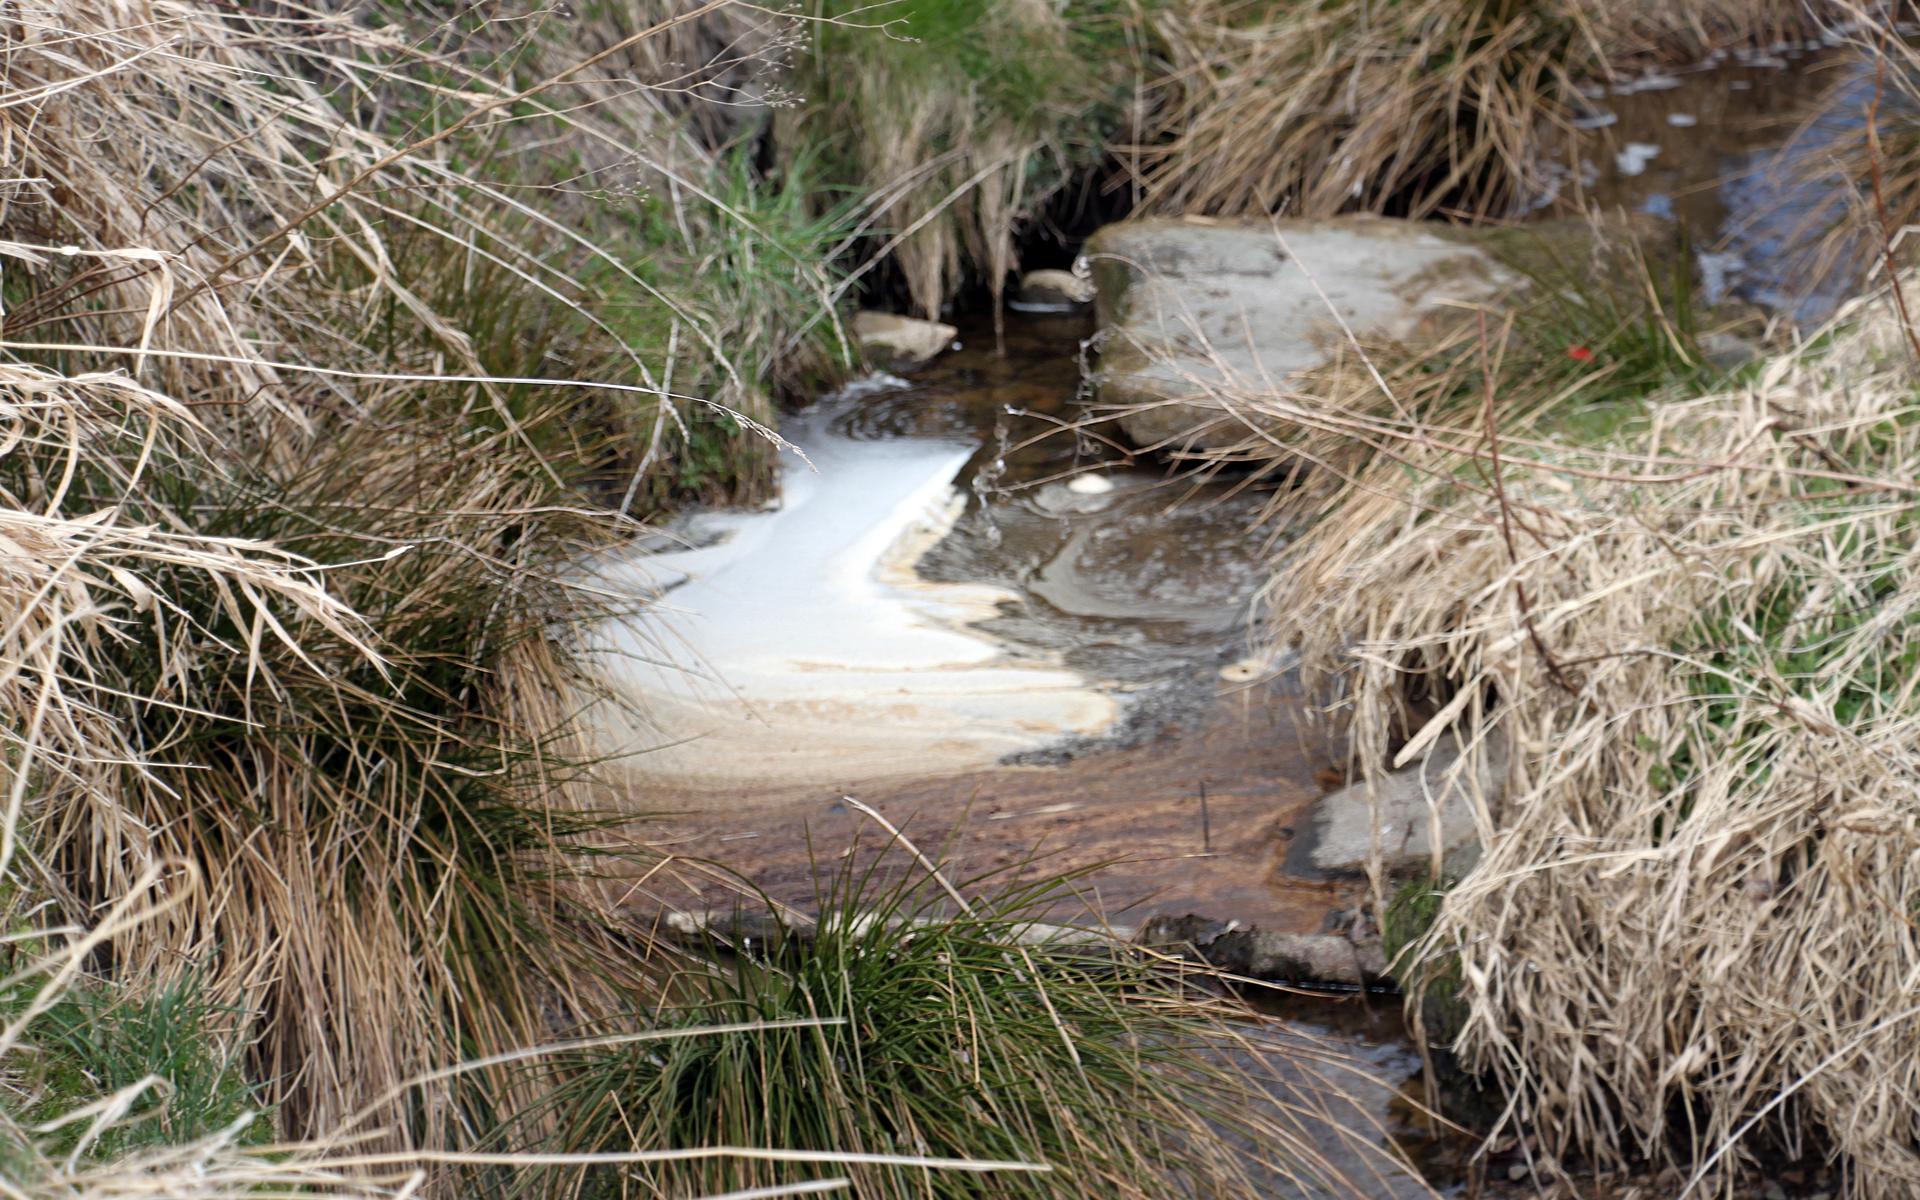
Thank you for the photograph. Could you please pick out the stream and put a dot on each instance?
(1031, 650)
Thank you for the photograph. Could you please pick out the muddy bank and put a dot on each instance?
(1135, 813)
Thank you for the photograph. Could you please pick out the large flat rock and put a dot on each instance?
(1195, 311)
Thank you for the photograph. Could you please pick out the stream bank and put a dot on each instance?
(1025, 641)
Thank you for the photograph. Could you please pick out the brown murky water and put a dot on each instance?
(1147, 588)
(1736, 154)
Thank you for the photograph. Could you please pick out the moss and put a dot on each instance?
(1431, 979)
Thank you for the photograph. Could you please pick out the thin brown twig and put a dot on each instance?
(1552, 664)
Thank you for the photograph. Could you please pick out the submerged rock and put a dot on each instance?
(1410, 802)
(892, 342)
(1052, 291)
(1194, 310)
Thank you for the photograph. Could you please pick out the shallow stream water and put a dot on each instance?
(1032, 651)
(1737, 156)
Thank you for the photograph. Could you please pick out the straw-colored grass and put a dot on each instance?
(1409, 108)
(295, 465)
(298, 459)
(1690, 934)
(953, 122)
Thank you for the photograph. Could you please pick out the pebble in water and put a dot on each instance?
(1634, 159)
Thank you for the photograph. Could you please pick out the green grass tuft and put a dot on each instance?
(963, 1038)
(98, 1040)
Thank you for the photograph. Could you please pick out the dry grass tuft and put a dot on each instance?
(1408, 109)
(954, 121)
(290, 485)
(1691, 930)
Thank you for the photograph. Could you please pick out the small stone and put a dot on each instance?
(1517, 1171)
(1634, 159)
(1407, 801)
(1774, 1191)
(1090, 485)
(1051, 291)
(1680, 120)
(892, 342)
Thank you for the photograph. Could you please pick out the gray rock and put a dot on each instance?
(1193, 309)
(1408, 800)
(1301, 958)
(1052, 291)
(894, 343)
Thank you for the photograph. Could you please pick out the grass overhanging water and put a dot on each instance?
(303, 311)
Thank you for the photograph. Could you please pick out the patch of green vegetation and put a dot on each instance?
(1797, 640)
(1028, 73)
(958, 118)
(1603, 325)
(952, 1035)
(158, 1048)
(737, 302)
(1610, 321)
(1432, 980)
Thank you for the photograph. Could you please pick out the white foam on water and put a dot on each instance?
(1646, 83)
(799, 646)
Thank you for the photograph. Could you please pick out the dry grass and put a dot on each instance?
(1691, 932)
(953, 121)
(288, 517)
(1408, 109)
